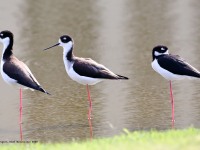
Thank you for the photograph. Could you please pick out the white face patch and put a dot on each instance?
(66, 47)
(6, 42)
(167, 52)
(59, 41)
(158, 54)
(68, 44)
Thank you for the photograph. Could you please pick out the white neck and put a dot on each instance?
(5, 42)
(66, 48)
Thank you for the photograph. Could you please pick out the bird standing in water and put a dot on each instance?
(171, 67)
(15, 72)
(84, 70)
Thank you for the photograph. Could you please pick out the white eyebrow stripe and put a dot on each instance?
(162, 49)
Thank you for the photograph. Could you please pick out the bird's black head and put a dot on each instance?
(65, 39)
(159, 50)
(6, 37)
(6, 34)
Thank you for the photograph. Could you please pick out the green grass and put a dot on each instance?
(187, 139)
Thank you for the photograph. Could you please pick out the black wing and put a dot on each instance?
(177, 65)
(89, 68)
(18, 71)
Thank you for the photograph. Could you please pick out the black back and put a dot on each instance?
(176, 65)
(89, 68)
(17, 70)
(86, 66)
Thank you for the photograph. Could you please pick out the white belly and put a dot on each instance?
(82, 79)
(166, 74)
(5, 77)
(76, 77)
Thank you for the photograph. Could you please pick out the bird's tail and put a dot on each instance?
(43, 90)
(122, 77)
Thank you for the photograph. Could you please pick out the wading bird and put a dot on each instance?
(83, 70)
(172, 67)
(15, 72)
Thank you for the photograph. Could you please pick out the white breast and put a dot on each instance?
(76, 77)
(166, 74)
(82, 79)
(5, 77)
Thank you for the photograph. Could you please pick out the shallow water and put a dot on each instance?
(119, 35)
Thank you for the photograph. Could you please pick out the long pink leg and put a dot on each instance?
(20, 106)
(172, 103)
(90, 125)
(90, 103)
(21, 137)
(20, 113)
(89, 112)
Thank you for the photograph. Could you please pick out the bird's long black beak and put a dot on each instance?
(52, 46)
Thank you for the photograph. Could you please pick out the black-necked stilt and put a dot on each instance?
(14, 71)
(171, 67)
(83, 70)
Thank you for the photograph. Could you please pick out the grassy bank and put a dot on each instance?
(187, 139)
